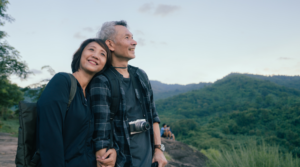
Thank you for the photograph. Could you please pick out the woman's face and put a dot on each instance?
(93, 58)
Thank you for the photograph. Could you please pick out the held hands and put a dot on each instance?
(106, 159)
(159, 157)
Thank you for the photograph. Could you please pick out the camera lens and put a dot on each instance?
(145, 126)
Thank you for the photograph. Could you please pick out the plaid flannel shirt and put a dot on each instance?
(100, 101)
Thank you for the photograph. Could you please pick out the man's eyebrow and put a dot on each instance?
(128, 35)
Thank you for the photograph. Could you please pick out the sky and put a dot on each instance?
(179, 41)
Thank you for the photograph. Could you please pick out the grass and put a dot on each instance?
(10, 126)
(252, 155)
(168, 157)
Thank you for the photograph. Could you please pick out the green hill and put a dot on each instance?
(235, 108)
(287, 81)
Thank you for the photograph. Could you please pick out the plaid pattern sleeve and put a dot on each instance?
(100, 103)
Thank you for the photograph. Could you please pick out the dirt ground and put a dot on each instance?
(8, 148)
(182, 155)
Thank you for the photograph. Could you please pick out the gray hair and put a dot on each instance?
(108, 29)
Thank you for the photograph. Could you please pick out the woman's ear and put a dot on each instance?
(110, 44)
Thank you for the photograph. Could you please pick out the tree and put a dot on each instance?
(9, 57)
(10, 95)
(10, 64)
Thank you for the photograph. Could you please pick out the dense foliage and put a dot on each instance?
(233, 109)
(288, 81)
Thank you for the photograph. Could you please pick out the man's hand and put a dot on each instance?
(160, 158)
(107, 159)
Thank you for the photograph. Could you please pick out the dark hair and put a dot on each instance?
(77, 55)
(163, 125)
(168, 125)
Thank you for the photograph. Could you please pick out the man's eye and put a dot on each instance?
(127, 37)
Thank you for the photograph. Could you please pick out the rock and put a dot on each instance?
(182, 155)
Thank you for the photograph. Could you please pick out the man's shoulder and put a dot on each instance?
(99, 79)
(140, 71)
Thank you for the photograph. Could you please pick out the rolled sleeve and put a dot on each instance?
(154, 113)
(152, 103)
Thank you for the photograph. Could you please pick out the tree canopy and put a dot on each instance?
(10, 64)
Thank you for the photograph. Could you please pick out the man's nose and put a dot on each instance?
(133, 42)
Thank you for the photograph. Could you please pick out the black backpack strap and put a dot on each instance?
(73, 89)
(115, 100)
(36, 157)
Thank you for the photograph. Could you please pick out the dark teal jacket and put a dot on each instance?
(64, 138)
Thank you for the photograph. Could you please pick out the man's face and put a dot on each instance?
(124, 43)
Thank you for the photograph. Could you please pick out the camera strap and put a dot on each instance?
(135, 87)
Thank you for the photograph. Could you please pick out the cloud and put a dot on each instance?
(88, 29)
(138, 32)
(79, 36)
(163, 43)
(35, 71)
(285, 58)
(147, 7)
(141, 42)
(164, 10)
(160, 10)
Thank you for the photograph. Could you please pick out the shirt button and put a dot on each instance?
(144, 115)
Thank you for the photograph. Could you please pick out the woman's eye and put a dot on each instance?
(103, 54)
(92, 49)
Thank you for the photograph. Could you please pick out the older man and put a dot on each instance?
(137, 147)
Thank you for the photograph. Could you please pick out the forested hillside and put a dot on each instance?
(235, 108)
(288, 81)
(162, 91)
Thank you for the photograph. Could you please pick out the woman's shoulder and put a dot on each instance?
(58, 89)
(61, 79)
(62, 76)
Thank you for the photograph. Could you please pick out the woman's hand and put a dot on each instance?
(106, 159)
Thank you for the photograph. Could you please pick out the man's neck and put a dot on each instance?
(121, 67)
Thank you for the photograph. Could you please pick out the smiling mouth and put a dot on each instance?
(131, 49)
(93, 62)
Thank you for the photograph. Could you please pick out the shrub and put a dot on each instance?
(253, 155)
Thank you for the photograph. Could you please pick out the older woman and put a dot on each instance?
(64, 134)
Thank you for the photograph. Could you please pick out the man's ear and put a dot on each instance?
(110, 44)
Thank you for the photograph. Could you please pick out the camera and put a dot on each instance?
(138, 126)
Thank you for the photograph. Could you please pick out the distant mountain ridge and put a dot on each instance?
(162, 91)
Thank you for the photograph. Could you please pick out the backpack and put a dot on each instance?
(27, 155)
(115, 95)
